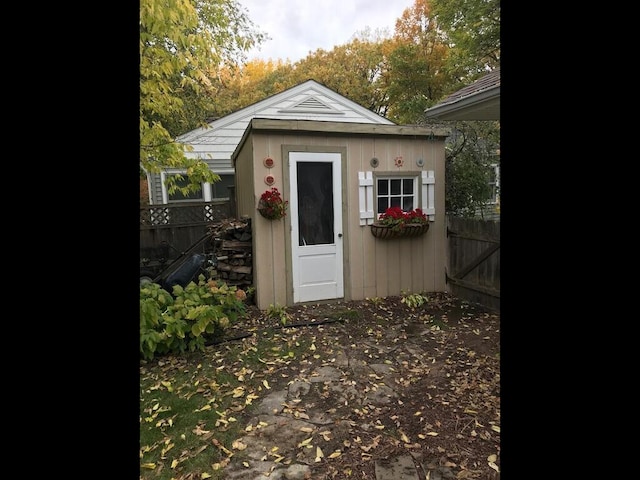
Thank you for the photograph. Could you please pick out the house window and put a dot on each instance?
(494, 183)
(396, 192)
(178, 196)
(220, 190)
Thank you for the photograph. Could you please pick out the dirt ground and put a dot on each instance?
(445, 363)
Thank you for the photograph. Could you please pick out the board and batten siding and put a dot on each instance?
(373, 267)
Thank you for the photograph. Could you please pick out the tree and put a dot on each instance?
(416, 77)
(180, 41)
(473, 29)
(471, 150)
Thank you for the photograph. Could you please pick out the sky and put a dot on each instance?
(299, 27)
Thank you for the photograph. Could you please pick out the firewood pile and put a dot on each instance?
(231, 239)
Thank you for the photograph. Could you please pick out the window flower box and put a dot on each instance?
(386, 231)
(395, 223)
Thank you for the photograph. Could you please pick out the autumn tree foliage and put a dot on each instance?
(472, 28)
(180, 41)
(415, 76)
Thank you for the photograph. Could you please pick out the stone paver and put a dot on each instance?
(292, 426)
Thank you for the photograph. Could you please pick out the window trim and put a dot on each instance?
(495, 199)
(165, 192)
(415, 176)
(209, 186)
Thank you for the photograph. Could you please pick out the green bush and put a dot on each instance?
(188, 318)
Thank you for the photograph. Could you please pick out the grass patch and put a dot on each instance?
(193, 407)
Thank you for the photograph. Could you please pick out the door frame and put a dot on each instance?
(286, 150)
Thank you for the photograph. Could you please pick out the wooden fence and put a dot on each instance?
(166, 231)
(473, 271)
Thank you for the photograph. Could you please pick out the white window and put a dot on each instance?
(396, 191)
(220, 190)
(178, 196)
(407, 192)
(494, 183)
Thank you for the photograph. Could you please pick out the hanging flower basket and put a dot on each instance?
(409, 230)
(271, 205)
(396, 223)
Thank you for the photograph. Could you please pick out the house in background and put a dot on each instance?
(338, 177)
(309, 100)
(479, 101)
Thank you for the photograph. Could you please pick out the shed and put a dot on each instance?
(337, 177)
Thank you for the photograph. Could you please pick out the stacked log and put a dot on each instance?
(232, 249)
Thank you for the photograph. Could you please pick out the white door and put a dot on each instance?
(316, 226)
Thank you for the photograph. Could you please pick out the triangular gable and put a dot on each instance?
(309, 100)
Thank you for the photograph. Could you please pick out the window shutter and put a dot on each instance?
(365, 194)
(428, 194)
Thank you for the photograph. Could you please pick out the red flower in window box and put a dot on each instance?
(395, 222)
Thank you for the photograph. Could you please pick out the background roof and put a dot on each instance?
(478, 101)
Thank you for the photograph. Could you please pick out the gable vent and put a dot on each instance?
(311, 105)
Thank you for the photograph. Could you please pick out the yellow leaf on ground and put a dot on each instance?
(305, 442)
(432, 434)
(150, 466)
(205, 475)
(238, 445)
(238, 392)
(335, 454)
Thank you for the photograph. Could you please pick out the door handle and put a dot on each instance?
(339, 235)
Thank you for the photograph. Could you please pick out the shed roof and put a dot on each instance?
(478, 101)
(315, 127)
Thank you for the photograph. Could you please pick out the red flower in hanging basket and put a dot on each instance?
(271, 205)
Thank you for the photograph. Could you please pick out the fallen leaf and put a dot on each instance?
(305, 442)
(335, 454)
(238, 445)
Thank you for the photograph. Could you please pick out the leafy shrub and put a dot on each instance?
(413, 300)
(278, 312)
(188, 318)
